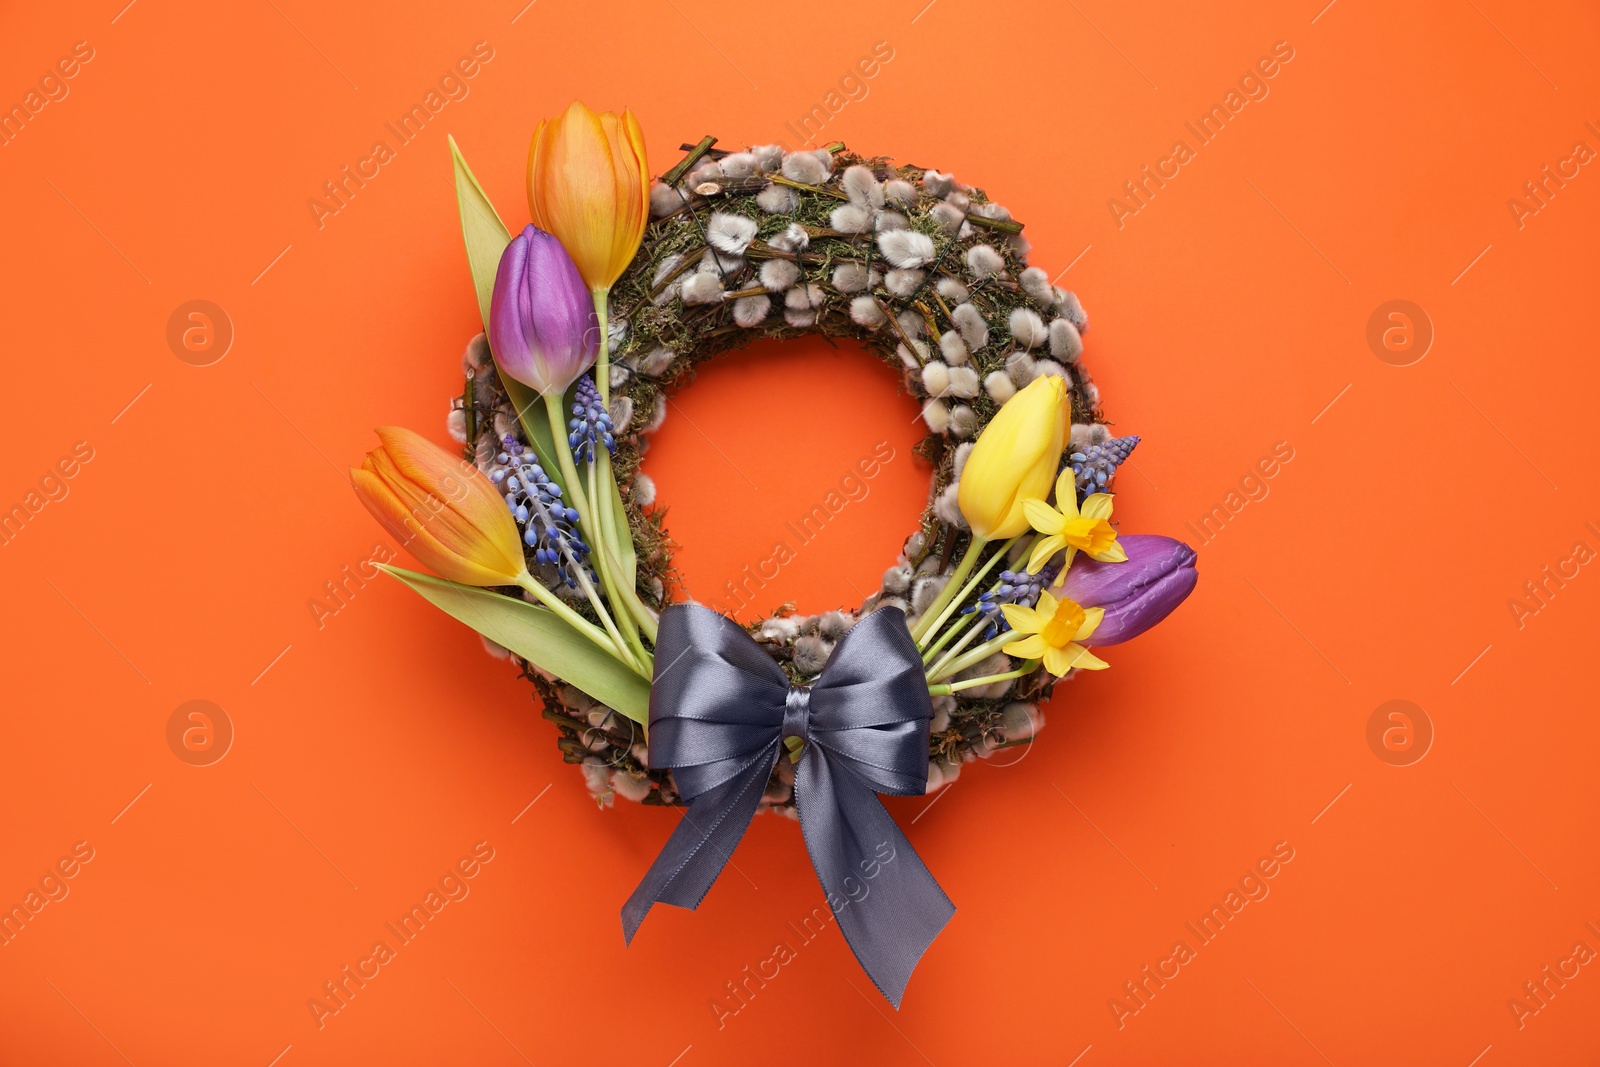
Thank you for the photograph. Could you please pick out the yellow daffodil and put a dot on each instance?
(1064, 526)
(1051, 630)
(1013, 459)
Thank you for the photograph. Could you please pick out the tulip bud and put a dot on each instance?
(440, 508)
(1158, 574)
(542, 323)
(1014, 459)
(589, 184)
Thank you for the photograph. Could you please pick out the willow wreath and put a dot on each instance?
(931, 276)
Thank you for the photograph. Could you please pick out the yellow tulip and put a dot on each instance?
(442, 509)
(588, 184)
(1014, 459)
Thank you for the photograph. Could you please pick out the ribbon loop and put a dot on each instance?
(719, 709)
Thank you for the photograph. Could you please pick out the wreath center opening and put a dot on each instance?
(788, 474)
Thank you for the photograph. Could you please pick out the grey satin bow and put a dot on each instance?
(719, 710)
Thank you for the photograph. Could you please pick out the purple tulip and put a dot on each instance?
(542, 323)
(1157, 576)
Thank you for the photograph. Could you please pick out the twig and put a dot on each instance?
(696, 151)
(820, 190)
(1011, 226)
(690, 258)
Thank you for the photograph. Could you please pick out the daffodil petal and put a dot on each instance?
(1031, 647)
(1043, 517)
(1114, 554)
(1043, 549)
(1084, 660)
(1022, 619)
(1046, 606)
(1097, 506)
(1056, 661)
(1067, 491)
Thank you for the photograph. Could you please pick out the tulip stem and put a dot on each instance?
(621, 588)
(934, 614)
(951, 631)
(636, 607)
(610, 574)
(580, 501)
(948, 688)
(602, 362)
(948, 601)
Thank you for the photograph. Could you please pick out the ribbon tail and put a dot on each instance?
(702, 844)
(889, 908)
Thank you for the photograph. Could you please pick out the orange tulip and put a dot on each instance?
(442, 509)
(588, 184)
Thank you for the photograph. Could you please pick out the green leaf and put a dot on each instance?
(539, 636)
(485, 235)
(486, 238)
(535, 423)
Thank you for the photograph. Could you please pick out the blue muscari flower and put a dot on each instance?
(549, 526)
(1016, 587)
(590, 422)
(1093, 468)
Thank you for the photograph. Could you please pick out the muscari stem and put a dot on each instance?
(976, 655)
(944, 639)
(578, 622)
(639, 662)
(647, 620)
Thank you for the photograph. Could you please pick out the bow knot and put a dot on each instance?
(719, 710)
(796, 712)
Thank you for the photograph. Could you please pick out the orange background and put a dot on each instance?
(1227, 316)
